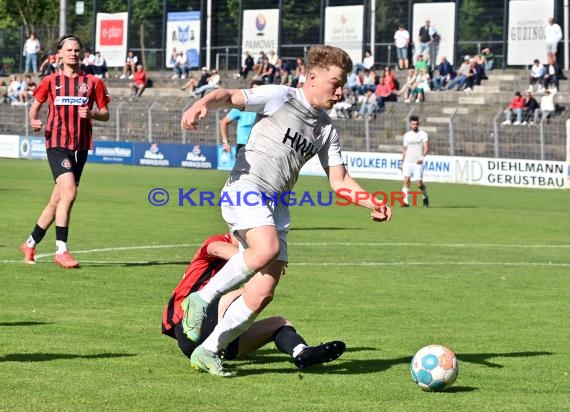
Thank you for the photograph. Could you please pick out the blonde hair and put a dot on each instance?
(325, 57)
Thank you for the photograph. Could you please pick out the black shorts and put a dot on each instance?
(187, 346)
(63, 160)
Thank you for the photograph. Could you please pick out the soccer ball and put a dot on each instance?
(434, 368)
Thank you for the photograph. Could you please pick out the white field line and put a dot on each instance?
(318, 244)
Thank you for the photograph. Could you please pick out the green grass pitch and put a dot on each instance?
(485, 271)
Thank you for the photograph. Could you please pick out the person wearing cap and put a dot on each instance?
(463, 73)
(547, 105)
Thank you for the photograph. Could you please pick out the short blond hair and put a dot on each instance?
(325, 57)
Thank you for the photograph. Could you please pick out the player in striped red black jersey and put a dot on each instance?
(208, 260)
(71, 95)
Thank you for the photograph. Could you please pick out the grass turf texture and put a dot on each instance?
(484, 271)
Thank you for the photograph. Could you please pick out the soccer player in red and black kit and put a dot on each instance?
(71, 95)
(209, 259)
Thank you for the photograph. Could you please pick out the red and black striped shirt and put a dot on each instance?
(201, 269)
(64, 127)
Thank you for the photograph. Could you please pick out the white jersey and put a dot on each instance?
(414, 141)
(286, 134)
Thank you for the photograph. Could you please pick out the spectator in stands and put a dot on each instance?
(100, 66)
(344, 108)
(27, 90)
(409, 85)
(384, 93)
(14, 89)
(368, 81)
(299, 65)
(284, 73)
(402, 42)
(390, 78)
(530, 109)
(49, 65)
(258, 66)
(246, 67)
(474, 76)
(88, 62)
(4, 92)
(445, 74)
(192, 83)
(139, 82)
(367, 104)
(487, 59)
(425, 39)
(420, 87)
(31, 50)
(130, 65)
(421, 63)
(267, 73)
(552, 75)
(553, 35)
(213, 83)
(547, 106)
(515, 107)
(272, 57)
(368, 61)
(302, 76)
(463, 73)
(179, 66)
(536, 76)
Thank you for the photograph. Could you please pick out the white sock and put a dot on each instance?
(232, 274)
(298, 349)
(405, 190)
(61, 247)
(31, 242)
(238, 319)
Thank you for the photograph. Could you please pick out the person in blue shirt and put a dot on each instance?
(245, 121)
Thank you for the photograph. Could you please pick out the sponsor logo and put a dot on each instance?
(260, 22)
(66, 164)
(70, 101)
(196, 159)
(112, 32)
(153, 157)
(82, 88)
(58, 87)
(183, 34)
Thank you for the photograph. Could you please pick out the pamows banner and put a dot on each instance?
(111, 38)
(442, 19)
(183, 34)
(344, 28)
(526, 40)
(260, 31)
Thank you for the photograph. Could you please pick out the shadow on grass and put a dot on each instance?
(364, 366)
(43, 357)
(24, 323)
(136, 264)
(325, 228)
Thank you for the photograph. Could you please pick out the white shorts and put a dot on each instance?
(247, 208)
(413, 170)
(551, 47)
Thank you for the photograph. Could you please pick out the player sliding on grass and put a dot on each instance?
(208, 260)
(292, 126)
(70, 95)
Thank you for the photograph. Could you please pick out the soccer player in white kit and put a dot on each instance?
(291, 127)
(416, 147)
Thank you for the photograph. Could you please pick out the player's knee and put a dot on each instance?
(261, 301)
(260, 257)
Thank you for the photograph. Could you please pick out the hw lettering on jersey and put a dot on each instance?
(298, 143)
(70, 101)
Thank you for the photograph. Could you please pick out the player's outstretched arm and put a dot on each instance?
(216, 99)
(348, 188)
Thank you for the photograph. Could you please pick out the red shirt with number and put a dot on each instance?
(65, 95)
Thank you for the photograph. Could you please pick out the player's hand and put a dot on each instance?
(84, 112)
(420, 161)
(227, 147)
(36, 124)
(381, 213)
(191, 116)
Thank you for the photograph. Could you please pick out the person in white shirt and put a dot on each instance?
(368, 60)
(547, 105)
(292, 127)
(31, 50)
(416, 147)
(130, 65)
(536, 76)
(552, 35)
(402, 41)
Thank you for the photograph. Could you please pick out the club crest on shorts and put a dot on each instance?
(82, 88)
(66, 164)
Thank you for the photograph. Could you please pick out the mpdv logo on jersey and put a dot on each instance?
(70, 101)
